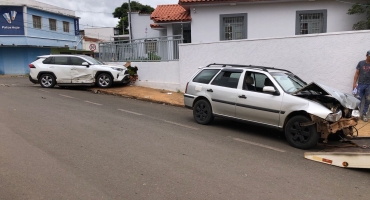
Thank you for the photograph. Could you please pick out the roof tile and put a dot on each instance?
(170, 13)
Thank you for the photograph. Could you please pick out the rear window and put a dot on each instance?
(47, 60)
(206, 76)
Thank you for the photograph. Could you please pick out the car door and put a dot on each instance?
(223, 91)
(253, 104)
(79, 72)
(59, 65)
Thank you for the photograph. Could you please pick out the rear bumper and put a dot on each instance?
(34, 81)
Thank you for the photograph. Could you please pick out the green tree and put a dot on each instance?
(361, 9)
(122, 13)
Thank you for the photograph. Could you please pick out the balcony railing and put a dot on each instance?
(141, 50)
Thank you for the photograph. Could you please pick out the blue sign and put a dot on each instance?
(11, 20)
(77, 27)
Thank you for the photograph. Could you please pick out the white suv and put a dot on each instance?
(75, 70)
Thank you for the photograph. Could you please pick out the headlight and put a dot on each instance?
(333, 117)
(356, 113)
(118, 69)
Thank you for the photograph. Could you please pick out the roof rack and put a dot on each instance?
(249, 66)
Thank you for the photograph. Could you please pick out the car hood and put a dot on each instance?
(115, 66)
(346, 100)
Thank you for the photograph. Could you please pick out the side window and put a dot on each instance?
(254, 81)
(205, 76)
(61, 60)
(47, 60)
(228, 79)
(76, 61)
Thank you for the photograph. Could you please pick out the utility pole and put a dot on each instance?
(129, 20)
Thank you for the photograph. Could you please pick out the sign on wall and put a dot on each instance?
(11, 20)
(77, 27)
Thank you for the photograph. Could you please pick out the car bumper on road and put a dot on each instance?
(34, 81)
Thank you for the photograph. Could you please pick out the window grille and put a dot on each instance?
(53, 24)
(36, 21)
(66, 27)
(311, 23)
(151, 46)
(233, 28)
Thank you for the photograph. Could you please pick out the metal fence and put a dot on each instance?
(146, 49)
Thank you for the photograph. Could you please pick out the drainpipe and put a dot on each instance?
(129, 20)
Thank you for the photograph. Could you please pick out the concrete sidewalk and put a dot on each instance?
(177, 99)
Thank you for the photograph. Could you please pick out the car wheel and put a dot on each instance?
(202, 112)
(47, 81)
(301, 137)
(104, 80)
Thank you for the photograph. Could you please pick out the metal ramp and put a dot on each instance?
(350, 154)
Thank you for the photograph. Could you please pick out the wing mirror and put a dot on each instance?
(85, 64)
(270, 89)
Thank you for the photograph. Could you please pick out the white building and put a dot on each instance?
(213, 20)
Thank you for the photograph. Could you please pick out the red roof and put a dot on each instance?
(184, 2)
(170, 13)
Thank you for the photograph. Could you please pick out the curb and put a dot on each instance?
(99, 91)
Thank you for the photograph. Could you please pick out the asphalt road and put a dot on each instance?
(73, 144)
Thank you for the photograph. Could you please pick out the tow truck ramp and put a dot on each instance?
(349, 154)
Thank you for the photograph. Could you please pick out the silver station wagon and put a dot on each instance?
(307, 113)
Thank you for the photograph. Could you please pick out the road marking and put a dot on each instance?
(182, 125)
(135, 113)
(260, 145)
(94, 103)
(66, 96)
(43, 90)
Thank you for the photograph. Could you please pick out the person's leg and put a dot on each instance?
(367, 100)
(361, 92)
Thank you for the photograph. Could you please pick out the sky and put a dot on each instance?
(100, 14)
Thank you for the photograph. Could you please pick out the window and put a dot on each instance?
(36, 21)
(228, 78)
(66, 27)
(151, 46)
(47, 60)
(76, 61)
(254, 81)
(233, 26)
(53, 24)
(311, 21)
(60, 60)
(205, 76)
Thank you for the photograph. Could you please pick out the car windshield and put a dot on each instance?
(289, 82)
(93, 60)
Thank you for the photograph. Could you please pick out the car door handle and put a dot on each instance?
(209, 90)
(242, 96)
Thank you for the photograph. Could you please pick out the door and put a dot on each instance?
(61, 68)
(80, 73)
(255, 105)
(223, 92)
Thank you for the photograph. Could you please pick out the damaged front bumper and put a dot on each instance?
(326, 128)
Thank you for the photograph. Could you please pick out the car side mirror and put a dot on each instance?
(85, 64)
(270, 89)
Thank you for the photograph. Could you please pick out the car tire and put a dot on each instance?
(104, 80)
(202, 112)
(47, 81)
(301, 137)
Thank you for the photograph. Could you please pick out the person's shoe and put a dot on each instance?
(365, 119)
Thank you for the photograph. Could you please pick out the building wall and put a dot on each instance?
(105, 34)
(141, 26)
(15, 60)
(268, 19)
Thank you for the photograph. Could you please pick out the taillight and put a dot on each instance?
(31, 66)
(186, 89)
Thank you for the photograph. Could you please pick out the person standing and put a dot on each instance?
(362, 76)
